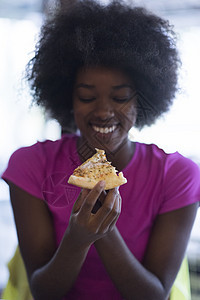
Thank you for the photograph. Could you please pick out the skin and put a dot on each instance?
(103, 98)
(52, 271)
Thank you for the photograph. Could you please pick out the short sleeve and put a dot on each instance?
(25, 170)
(181, 183)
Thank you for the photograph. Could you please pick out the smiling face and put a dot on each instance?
(104, 107)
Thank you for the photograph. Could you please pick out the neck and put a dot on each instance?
(119, 158)
(122, 156)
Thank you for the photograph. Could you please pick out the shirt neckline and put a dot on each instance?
(133, 159)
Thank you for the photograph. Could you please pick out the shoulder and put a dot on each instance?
(182, 170)
(45, 149)
(178, 176)
(181, 182)
(29, 166)
(170, 161)
(150, 157)
(149, 151)
(42, 156)
(177, 162)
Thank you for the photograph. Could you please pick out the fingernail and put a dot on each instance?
(102, 184)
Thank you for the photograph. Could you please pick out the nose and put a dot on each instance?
(104, 109)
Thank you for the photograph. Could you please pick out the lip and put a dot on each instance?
(104, 130)
(103, 125)
(105, 137)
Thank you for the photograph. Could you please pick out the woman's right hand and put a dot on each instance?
(53, 270)
(85, 227)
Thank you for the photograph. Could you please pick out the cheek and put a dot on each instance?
(80, 115)
(77, 108)
(128, 115)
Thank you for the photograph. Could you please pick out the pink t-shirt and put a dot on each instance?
(157, 183)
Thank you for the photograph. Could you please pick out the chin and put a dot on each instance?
(108, 147)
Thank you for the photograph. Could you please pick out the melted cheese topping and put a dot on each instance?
(96, 167)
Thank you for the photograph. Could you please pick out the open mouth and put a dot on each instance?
(104, 130)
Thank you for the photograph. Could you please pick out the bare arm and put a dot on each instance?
(52, 272)
(152, 279)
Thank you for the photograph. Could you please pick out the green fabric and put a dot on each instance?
(17, 287)
(181, 288)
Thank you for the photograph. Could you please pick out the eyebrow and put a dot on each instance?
(121, 86)
(84, 85)
(115, 87)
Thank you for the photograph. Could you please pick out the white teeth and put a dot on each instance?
(104, 129)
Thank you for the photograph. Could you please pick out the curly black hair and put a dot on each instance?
(118, 35)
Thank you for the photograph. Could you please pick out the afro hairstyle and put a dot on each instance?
(116, 35)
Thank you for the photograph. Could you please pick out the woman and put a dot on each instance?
(102, 70)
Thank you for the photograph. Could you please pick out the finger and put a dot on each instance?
(80, 200)
(118, 214)
(96, 207)
(112, 218)
(91, 199)
(99, 202)
(107, 211)
(103, 196)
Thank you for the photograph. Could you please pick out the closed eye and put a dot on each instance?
(121, 100)
(87, 100)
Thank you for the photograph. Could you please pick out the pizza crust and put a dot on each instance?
(95, 169)
(88, 183)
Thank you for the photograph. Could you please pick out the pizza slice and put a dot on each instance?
(95, 169)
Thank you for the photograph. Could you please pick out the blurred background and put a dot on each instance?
(22, 124)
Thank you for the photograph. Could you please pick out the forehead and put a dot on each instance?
(99, 74)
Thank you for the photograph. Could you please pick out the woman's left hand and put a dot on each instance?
(85, 226)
